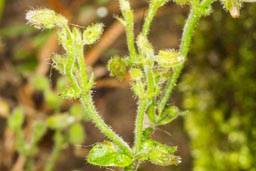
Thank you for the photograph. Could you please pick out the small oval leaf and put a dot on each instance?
(76, 134)
(107, 154)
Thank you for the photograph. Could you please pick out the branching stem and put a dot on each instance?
(86, 100)
(191, 22)
(142, 107)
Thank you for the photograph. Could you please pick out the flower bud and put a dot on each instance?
(117, 67)
(135, 74)
(45, 19)
(92, 33)
(144, 45)
(125, 5)
(233, 6)
(234, 12)
(169, 58)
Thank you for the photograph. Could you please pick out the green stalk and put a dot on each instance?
(82, 66)
(193, 18)
(130, 38)
(127, 14)
(86, 100)
(148, 20)
(71, 60)
(69, 70)
(151, 92)
(139, 124)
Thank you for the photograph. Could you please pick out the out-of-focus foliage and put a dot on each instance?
(2, 2)
(220, 93)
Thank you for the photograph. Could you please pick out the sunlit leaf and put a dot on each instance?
(107, 154)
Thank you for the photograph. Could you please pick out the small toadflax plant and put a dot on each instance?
(153, 76)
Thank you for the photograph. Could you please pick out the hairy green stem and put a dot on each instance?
(127, 14)
(142, 107)
(151, 111)
(86, 100)
(71, 56)
(151, 91)
(82, 66)
(194, 16)
(69, 70)
(149, 18)
(130, 38)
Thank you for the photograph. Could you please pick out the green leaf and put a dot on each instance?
(61, 84)
(60, 121)
(59, 62)
(40, 82)
(107, 154)
(52, 98)
(77, 110)
(16, 120)
(76, 134)
(39, 131)
(147, 133)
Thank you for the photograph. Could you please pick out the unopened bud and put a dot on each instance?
(234, 12)
(92, 33)
(117, 67)
(169, 58)
(136, 74)
(233, 6)
(125, 5)
(45, 19)
(144, 45)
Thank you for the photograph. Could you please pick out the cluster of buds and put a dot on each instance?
(72, 40)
